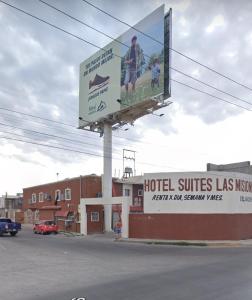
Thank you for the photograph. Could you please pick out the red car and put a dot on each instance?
(46, 227)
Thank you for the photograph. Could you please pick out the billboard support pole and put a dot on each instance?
(107, 175)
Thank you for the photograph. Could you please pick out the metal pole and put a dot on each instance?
(107, 175)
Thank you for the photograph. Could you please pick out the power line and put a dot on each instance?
(121, 21)
(56, 27)
(212, 70)
(50, 135)
(102, 49)
(52, 25)
(213, 96)
(57, 145)
(172, 49)
(209, 85)
(76, 151)
(97, 155)
(54, 136)
(33, 116)
(114, 39)
(67, 132)
(83, 23)
(92, 154)
(50, 146)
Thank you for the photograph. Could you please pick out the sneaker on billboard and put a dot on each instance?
(98, 80)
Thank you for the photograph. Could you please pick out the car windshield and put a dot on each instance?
(49, 223)
(2, 220)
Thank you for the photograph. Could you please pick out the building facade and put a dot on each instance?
(211, 205)
(11, 206)
(195, 206)
(60, 200)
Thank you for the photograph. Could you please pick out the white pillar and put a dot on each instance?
(107, 175)
(83, 227)
(125, 217)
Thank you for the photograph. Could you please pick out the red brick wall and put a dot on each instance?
(117, 190)
(50, 188)
(90, 186)
(191, 226)
(46, 214)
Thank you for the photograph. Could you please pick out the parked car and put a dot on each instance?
(7, 226)
(46, 227)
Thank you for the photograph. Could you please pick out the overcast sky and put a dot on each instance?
(39, 75)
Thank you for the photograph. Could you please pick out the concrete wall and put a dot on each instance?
(240, 167)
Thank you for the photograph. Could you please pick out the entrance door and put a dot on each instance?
(95, 219)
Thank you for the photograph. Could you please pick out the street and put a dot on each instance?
(61, 267)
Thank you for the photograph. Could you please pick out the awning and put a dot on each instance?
(53, 207)
(62, 213)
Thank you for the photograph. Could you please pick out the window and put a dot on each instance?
(94, 216)
(127, 192)
(70, 217)
(57, 195)
(137, 201)
(34, 198)
(41, 197)
(140, 193)
(47, 197)
(67, 194)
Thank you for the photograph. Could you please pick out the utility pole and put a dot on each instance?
(107, 174)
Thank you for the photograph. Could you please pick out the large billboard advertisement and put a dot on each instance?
(131, 69)
(197, 192)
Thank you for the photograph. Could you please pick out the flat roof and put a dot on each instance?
(64, 180)
(131, 180)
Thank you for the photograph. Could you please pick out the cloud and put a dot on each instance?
(39, 66)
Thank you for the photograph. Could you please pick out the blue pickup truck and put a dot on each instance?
(7, 226)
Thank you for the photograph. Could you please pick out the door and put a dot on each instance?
(95, 219)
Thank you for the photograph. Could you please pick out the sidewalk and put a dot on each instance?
(196, 243)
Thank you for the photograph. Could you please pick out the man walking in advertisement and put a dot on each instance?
(132, 62)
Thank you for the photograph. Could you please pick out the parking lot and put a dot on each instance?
(62, 266)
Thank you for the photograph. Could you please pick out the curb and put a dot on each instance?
(209, 244)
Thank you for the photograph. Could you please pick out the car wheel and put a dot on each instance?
(13, 233)
(55, 232)
(34, 231)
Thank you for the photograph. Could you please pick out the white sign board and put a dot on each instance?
(197, 192)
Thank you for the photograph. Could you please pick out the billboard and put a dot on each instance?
(197, 192)
(131, 69)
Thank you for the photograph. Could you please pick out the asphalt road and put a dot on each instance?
(61, 268)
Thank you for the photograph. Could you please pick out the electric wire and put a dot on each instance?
(53, 136)
(210, 95)
(209, 85)
(118, 41)
(96, 46)
(172, 49)
(99, 47)
(78, 151)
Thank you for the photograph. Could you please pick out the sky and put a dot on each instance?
(39, 75)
